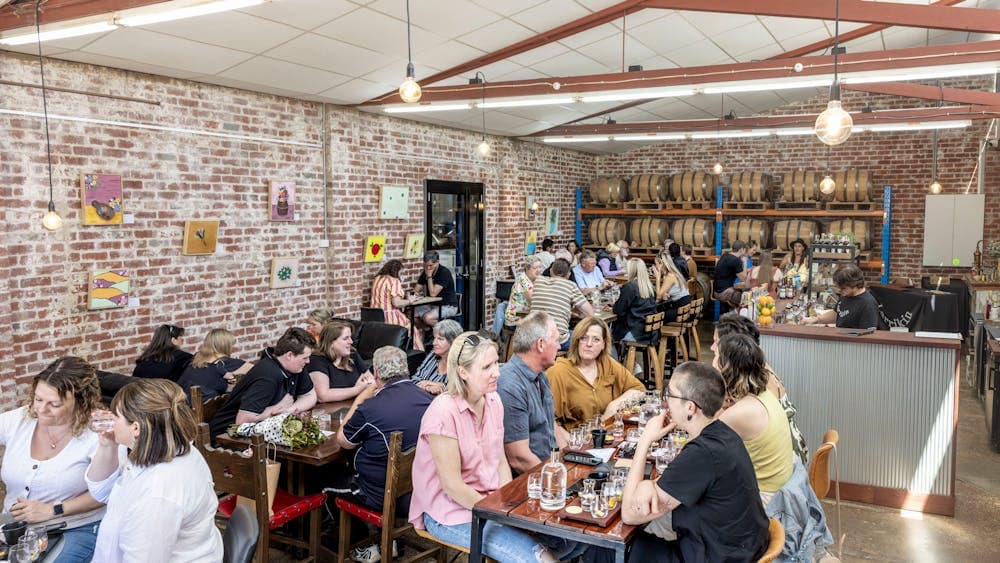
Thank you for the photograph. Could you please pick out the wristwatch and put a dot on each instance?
(57, 509)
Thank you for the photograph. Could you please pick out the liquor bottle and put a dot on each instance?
(553, 483)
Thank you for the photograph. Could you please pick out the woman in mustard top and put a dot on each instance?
(754, 413)
(588, 381)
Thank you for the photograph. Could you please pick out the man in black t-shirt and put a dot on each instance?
(856, 307)
(710, 490)
(436, 281)
(277, 384)
(727, 271)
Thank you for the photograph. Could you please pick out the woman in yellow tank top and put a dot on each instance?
(754, 413)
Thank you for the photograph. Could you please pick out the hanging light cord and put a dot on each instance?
(481, 76)
(45, 107)
(409, 49)
(836, 38)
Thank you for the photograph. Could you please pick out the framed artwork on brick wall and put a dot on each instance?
(108, 289)
(281, 201)
(552, 221)
(414, 245)
(530, 242)
(284, 272)
(200, 237)
(394, 202)
(103, 199)
(375, 248)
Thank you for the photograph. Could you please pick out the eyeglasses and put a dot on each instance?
(473, 339)
(668, 395)
(591, 339)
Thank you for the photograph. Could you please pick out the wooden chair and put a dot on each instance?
(672, 340)
(819, 475)
(245, 475)
(398, 481)
(650, 352)
(205, 411)
(777, 542)
(427, 536)
(507, 343)
(690, 326)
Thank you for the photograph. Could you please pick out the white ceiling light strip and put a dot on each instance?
(53, 34)
(525, 103)
(640, 95)
(410, 108)
(919, 74)
(589, 139)
(180, 10)
(768, 86)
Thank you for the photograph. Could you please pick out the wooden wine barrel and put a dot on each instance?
(701, 288)
(787, 231)
(801, 185)
(852, 185)
(861, 230)
(649, 187)
(649, 232)
(693, 186)
(606, 230)
(608, 189)
(747, 230)
(750, 186)
(696, 232)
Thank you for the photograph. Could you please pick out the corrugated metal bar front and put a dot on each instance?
(894, 407)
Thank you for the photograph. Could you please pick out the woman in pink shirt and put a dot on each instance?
(460, 460)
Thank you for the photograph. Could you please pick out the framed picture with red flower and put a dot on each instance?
(374, 249)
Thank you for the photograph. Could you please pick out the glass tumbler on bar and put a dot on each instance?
(535, 486)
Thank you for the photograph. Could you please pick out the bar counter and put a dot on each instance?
(893, 397)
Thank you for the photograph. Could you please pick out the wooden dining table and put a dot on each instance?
(412, 306)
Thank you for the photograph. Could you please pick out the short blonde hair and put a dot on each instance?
(612, 248)
(467, 349)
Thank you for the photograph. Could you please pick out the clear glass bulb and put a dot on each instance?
(935, 187)
(52, 220)
(717, 169)
(409, 90)
(827, 185)
(833, 126)
(484, 148)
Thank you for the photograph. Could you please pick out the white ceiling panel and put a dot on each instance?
(354, 91)
(48, 50)
(901, 37)
(166, 51)
(378, 32)
(666, 34)
(808, 38)
(60, 46)
(125, 64)
(539, 54)
(508, 7)
(757, 101)
(448, 19)
(712, 25)
(634, 115)
(657, 63)
(591, 35)
(569, 64)
(274, 89)
(393, 74)
(701, 53)
(329, 54)
(868, 43)
(496, 35)
(609, 53)
(447, 55)
(742, 40)
(641, 17)
(232, 30)
(550, 15)
(303, 14)
(285, 75)
(787, 28)
(496, 71)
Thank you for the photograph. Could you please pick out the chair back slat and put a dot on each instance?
(819, 469)
(232, 471)
(204, 411)
(654, 322)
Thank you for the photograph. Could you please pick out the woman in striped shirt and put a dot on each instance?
(432, 374)
(388, 294)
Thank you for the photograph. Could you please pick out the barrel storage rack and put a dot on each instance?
(650, 208)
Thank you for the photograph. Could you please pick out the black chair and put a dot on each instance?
(110, 384)
(240, 538)
(504, 287)
(372, 315)
(375, 335)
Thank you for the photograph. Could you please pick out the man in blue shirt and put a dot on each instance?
(588, 276)
(528, 408)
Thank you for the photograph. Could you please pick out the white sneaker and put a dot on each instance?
(371, 553)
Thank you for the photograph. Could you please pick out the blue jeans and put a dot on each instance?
(78, 544)
(504, 543)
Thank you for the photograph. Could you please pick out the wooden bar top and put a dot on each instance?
(982, 285)
(877, 337)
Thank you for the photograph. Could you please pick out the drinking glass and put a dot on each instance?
(324, 420)
(664, 457)
(599, 508)
(535, 486)
(609, 494)
(588, 494)
(101, 421)
(632, 436)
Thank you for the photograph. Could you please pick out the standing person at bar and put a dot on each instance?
(856, 307)
(796, 263)
(727, 271)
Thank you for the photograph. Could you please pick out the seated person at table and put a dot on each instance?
(48, 447)
(436, 281)
(671, 289)
(315, 321)
(610, 260)
(558, 297)
(708, 492)
(856, 307)
(568, 257)
(637, 299)
(796, 263)
(692, 265)
(588, 381)
(733, 323)
(761, 423)
(337, 371)
(574, 250)
(393, 404)
(523, 286)
(460, 459)
(162, 357)
(674, 250)
(277, 384)
(588, 276)
(432, 374)
(388, 294)
(161, 502)
(546, 255)
(727, 271)
(212, 369)
(765, 274)
(529, 431)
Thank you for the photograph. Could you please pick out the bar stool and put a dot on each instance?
(691, 329)
(672, 339)
(650, 353)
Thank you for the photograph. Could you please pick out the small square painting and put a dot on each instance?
(108, 289)
(374, 249)
(414, 245)
(200, 237)
(281, 201)
(284, 272)
(102, 199)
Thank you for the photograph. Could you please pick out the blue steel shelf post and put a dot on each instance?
(886, 230)
(718, 239)
(578, 226)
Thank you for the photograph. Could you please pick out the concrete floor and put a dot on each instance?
(875, 533)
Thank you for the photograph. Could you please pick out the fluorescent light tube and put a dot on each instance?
(146, 17)
(641, 95)
(426, 108)
(730, 134)
(917, 126)
(591, 139)
(525, 103)
(767, 86)
(920, 74)
(651, 137)
(63, 33)
(791, 131)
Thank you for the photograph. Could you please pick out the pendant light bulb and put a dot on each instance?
(484, 148)
(827, 185)
(717, 169)
(935, 187)
(833, 126)
(52, 221)
(409, 90)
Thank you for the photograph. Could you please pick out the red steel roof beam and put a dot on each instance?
(54, 11)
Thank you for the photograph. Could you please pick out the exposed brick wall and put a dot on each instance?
(170, 177)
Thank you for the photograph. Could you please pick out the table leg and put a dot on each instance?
(476, 542)
(413, 327)
(620, 554)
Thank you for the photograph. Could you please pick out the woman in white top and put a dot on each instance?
(48, 448)
(161, 501)
(765, 274)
